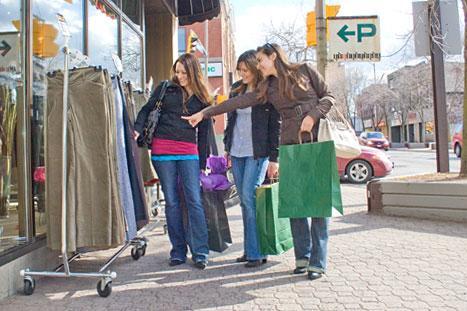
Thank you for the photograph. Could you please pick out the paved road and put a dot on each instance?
(375, 263)
(417, 162)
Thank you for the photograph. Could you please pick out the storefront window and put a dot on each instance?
(181, 41)
(12, 219)
(103, 35)
(47, 57)
(132, 9)
(131, 56)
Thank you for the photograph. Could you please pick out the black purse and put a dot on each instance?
(145, 138)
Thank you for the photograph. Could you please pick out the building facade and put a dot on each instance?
(221, 55)
(411, 119)
(138, 37)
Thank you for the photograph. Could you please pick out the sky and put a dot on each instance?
(253, 17)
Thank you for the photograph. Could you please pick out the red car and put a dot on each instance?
(457, 142)
(374, 139)
(370, 163)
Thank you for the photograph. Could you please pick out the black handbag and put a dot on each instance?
(145, 138)
(219, 236)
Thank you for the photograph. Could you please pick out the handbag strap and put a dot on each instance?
(158, 104)
(300, 136)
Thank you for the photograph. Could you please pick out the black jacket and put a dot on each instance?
(172, 126)
(265, 126)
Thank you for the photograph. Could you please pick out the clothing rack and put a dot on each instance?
(139, 244)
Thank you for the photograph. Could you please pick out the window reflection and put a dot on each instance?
(132, 9)
(103, 35)
(12, 219)
(181, 41)
(47, 40)
(131, 56)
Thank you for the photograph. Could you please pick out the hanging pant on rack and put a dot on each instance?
(123, 174)
(134, 169)
(94, 211)
(130, 101)
(147, 169)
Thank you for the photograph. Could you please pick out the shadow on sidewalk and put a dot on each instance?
(150, 284)
(368, 222)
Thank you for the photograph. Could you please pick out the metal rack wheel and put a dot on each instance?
(29, 285)
(136, 253)
(104, 288)
(154, 211)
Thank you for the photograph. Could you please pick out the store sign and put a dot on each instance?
(214, 69)
(9, 51)
(354, 38)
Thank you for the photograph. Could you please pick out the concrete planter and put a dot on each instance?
(415, 196)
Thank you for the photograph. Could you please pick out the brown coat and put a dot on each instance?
(315, 102)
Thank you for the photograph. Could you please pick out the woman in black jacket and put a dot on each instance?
(251, 139)
(179, 152)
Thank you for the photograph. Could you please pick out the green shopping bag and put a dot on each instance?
(274, 233)
(310, 184)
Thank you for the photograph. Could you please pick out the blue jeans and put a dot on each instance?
(248, 174)
(311, 248)
(196, 232)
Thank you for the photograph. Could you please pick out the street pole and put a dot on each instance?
(439, 88)
(321, 37)
(206, 47)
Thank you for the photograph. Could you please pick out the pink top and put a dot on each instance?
(167, 146)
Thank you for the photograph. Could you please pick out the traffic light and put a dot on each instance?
(192, 43)
(331, 11)
(311, 29)
(44, 36)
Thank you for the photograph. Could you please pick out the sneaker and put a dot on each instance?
(175, 262)
(241, 259)
(201, 265)
(254, 263)
(299, 270)
(312, 275)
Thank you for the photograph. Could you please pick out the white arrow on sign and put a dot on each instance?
(9, 50)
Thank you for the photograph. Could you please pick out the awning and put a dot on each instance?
(193, 11)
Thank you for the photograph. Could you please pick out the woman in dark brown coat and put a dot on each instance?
(301, 96)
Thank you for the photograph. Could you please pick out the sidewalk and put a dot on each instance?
(375, 263)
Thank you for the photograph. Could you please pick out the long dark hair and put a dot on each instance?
(287, 73)
(248, 58)
(195, 78)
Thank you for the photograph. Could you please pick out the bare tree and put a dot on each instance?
(355, 81)
(455, 92)
(376, 102)
(290, 36)
(421, 90)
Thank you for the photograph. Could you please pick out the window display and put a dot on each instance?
(11, 96)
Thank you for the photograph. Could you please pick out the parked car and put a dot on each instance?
(370, 163)
(374, 139)
(457, 141)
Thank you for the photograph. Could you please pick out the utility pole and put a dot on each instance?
(439, 88)
(321, 37)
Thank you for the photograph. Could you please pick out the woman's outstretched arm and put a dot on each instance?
(238, 102)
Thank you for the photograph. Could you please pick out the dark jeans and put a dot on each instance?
(196, 234)
(310, 243)
(249, 174)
